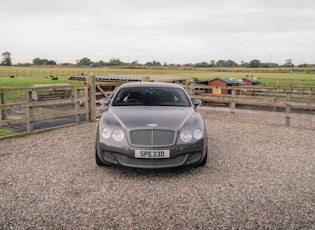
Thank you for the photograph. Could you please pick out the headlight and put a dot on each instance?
(106, 133)
(185, 135)
(118, 135)
(197, 134)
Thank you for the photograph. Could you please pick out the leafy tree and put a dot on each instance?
(254, 63)
(230, 63)
(6, 59)
(51, 62)
(100, 63)
(188, 65)
(115, 62)
(288, 63)
(304, 65)
(38, 61)
(134, 63)
(84, 62)
(227, 63)
(220, 63)
(148, 64)
(156, 63)
(153, 63)
(45, 62)
(202, 64)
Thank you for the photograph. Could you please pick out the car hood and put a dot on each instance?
(162, 117)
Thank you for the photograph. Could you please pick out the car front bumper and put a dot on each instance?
(180, 155)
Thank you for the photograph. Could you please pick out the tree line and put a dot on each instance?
(87, 62)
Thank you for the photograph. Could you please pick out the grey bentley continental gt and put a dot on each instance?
(151, 125)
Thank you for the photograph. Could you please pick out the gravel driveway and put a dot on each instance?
(257, 176)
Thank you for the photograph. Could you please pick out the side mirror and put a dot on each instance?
(197, 102)
(104, 101)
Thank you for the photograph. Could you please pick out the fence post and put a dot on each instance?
(288, 110)
(146, 79)
(274, 108)
(77, 104)
(91, 95)
(29, 112)
(2, 115)
(233, 104)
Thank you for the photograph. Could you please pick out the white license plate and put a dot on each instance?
(152, 153)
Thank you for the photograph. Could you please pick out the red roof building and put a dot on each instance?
(250, 81)
(223, 81)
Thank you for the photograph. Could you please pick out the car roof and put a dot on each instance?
(150, 84)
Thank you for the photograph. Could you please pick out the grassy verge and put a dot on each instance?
(6, 132)
(27, 76)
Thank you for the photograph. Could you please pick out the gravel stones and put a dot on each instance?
(257, 176)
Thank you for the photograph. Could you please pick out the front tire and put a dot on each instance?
(204, 160)
(98, 160)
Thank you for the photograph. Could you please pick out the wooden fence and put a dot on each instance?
(278, 97)
(82, 101)
(290, 99)
(28, 109)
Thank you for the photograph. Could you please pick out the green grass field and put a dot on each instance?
(27, 76)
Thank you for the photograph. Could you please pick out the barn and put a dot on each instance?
(223, 81)
(250, 81)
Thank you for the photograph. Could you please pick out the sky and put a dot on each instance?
(167, 31)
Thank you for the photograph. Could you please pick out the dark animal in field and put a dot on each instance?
(53, 78)
(12, 76)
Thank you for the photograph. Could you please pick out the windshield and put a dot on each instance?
(151, 97)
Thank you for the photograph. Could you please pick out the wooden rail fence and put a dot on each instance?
(26, 110)
(84, 100)
(288, 98)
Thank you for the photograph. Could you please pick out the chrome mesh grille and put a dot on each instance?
(152, 137)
